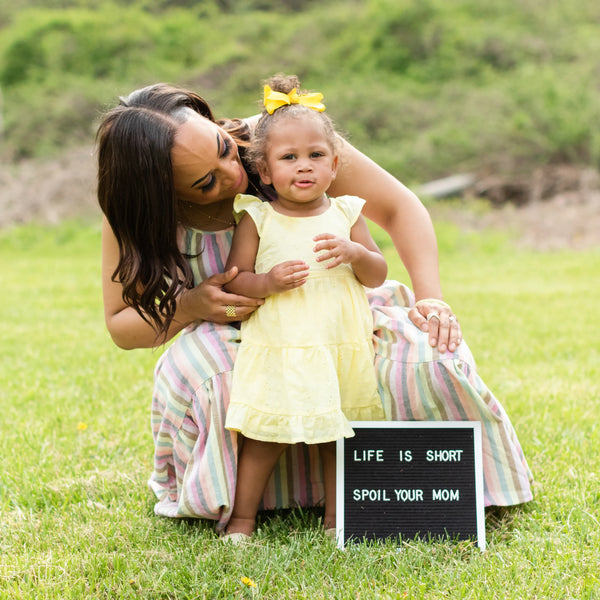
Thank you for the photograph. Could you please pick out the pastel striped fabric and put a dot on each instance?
(195, 456)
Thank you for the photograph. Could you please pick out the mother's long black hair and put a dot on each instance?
(137, 195)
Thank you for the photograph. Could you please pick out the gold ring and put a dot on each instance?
(230, 311)
(433, 315)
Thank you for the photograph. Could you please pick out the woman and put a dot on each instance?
(168, 174)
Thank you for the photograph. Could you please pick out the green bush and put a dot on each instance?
(553, 109)
(425, 87)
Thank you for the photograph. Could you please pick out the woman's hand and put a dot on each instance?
(208, 301)
(436, 317)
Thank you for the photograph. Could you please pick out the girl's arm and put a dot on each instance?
(244, 247)
(206, 301)
(360, 251)
(369, 267)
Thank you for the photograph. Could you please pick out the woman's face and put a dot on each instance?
(206, 164)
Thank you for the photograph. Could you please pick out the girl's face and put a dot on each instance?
(206, 164)
(300, 162)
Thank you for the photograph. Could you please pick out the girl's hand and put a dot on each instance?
(209, 302)
(335, 249)
(443, 327)
(287, 275)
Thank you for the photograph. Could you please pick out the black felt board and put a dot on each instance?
(407, 480)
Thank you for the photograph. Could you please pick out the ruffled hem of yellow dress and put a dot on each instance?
(292, 429)
(370, 412)
(288, 429)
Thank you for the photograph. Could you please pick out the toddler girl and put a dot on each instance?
(305, 364)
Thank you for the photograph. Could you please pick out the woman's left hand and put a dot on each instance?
(437, 318)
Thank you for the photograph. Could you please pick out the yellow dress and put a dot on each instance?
(305, 363)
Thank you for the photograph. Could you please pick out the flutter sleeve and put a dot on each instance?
(350, 206)
(255, 207)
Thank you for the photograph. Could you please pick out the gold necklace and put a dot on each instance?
(228, 222)
(195, 208)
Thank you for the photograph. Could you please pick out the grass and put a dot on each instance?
(76, 515)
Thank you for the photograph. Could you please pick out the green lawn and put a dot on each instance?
(76, 515)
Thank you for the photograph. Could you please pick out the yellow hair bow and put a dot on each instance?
(274, 100)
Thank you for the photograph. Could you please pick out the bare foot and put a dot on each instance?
(237, 525)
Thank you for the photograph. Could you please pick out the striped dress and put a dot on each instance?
(195, 458)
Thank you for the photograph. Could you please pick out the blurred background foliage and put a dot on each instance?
(425, 87)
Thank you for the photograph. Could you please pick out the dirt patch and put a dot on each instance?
(49, 191)
(568, 220)
(551, 208)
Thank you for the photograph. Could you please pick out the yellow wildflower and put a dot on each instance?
(247, 581)
(81, 426)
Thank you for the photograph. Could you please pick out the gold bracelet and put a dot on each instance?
(433, 301)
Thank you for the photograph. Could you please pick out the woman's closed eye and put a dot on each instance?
(225, 151)
(226, 148)
(210, 185)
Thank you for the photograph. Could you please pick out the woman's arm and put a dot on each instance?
(126, 327)
(398, 211)
(393, 207)
(206, 301)
(401, 214)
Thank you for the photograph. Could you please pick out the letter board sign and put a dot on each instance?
(410, 479)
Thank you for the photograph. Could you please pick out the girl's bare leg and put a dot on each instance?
(255, 465)
(327, 452)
